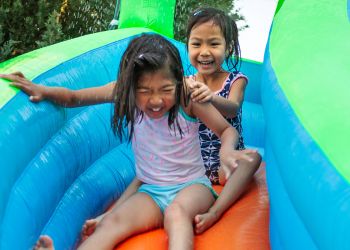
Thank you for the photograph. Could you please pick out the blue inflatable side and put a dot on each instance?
(45, 147)
(296, 177)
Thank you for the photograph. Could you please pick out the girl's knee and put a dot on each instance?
(255, 163)
(246, 168)
(175, 213)
(256, 157)
(109, 221)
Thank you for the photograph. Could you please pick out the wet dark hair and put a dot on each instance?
(147, 53)
(228, 28)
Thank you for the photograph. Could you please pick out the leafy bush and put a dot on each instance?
(57, 20)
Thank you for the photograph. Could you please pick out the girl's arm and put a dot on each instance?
(59, 95)
(230, 106)
(228, 135)
(227, 107)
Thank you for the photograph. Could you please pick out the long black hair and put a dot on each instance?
(145, 54)
(228, 28)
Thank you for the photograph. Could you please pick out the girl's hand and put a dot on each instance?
(35, 92)
(200, 92)
(229, 161)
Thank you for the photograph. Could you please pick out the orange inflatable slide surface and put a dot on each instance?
(245, 226)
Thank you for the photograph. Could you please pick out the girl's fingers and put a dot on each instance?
(204, 99)
(15, 84)
(229, 166)
(249, 151)
(15, 77)
(229, 169)
(232, 163)
(28, 89)
(18, 73)
(191, 83)
(226, 171)
(195, 84)
(7, 77)
(196, 95)
(19, 85)
(246, 157)
(201, 95)
(242, 155)
(35, 98)
(18, 81)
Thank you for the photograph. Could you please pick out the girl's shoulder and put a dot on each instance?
(231, 79)
(233, 76)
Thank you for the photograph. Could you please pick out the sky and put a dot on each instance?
(258, 15)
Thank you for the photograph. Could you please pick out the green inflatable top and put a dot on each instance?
(155, 15)
(319, 91)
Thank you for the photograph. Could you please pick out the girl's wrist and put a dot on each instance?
(46, 92)
(212, 99)
(215, 213)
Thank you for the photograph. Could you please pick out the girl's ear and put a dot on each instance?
(229, 50)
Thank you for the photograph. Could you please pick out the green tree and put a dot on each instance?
(53, 31)
(53, 21)
(80, 17)
(26, 25)
(20, 28)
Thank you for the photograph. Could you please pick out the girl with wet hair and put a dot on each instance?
(151, 100)
(212, 43)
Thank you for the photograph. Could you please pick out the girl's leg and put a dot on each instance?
(179, 215)
(123, 221)
(234, 187)
(90, 225)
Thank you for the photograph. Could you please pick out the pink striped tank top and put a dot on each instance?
(162, 156)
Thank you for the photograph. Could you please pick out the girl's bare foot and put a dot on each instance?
(88, 228)
(44, 243)
(204, 221)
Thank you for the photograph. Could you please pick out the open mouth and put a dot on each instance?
(155, 112)
(156, 109)
(206, 62)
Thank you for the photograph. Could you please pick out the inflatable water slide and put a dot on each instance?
(60, 166)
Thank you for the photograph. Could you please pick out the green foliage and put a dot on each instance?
(53, 31)
(20, 28)
(85, 17)
(26, 25)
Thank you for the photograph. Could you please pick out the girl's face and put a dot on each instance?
(206, 48)
(155, 93)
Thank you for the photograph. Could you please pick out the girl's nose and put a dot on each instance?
(205, 51)
(155, 99)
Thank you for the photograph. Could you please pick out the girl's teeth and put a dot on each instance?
(156, 109)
